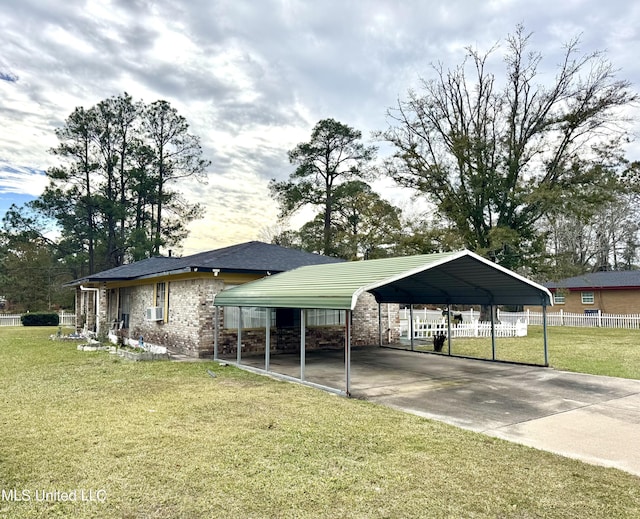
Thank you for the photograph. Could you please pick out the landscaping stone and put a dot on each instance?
(142, 355)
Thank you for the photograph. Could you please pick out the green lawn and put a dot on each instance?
(599, 351)
(166, 440)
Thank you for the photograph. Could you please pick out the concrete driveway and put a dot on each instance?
(592, 418)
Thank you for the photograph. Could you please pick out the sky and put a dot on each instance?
(252, 78)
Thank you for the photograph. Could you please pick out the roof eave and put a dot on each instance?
(618, 287)
(452, 257)
(84, 281)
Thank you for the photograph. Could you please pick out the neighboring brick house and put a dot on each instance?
(168, 301)
(610, 292)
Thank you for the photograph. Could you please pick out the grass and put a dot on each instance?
(165, 440)
(599, 351)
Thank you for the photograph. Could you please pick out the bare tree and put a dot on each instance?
(604, 239)
(495, 159)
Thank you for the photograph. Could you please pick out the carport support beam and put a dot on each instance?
(493, 333)
(347, 353)
(303, 326)
(379, 324)
(449, 329)
(267, 340)
(411, 324)
(239, 346)
(544, 335)
(216, 332)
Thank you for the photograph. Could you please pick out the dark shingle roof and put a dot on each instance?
(145, 267)
(250, 257)
(256, 256)
(610, 280)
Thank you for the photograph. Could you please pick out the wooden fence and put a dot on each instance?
(66, 319)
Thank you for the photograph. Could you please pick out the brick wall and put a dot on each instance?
(365, 322)
(608, 301)
(282, 340)
(103, 325)
(190, 326)
(364, 332)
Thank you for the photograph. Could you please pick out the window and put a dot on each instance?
(587, 298)
(125, 307)
(160, 291)
(112, 305)
(251, 317)
(325, 317)
(558, 299)
(257, 317)
(162, 299)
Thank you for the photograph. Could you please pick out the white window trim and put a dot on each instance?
(161, 299)
(592, 298)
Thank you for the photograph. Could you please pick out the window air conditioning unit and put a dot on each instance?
(155, 313)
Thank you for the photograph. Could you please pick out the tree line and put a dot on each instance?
(112, 198)
(531, 175)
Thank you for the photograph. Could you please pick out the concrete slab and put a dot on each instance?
(592, 418)
(602, 434)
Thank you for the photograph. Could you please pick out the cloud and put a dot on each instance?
(252, 78)
(21, 180)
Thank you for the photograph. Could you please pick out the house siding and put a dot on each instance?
(607, 301)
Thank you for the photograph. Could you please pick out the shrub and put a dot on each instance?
(40, 319)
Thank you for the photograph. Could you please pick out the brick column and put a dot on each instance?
(103, 325)
(78, 307)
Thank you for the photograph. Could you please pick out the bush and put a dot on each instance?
(40, 319)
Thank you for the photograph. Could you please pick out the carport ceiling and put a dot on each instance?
(446, 278)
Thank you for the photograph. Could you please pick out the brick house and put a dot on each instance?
(609, 292)
(168, 302)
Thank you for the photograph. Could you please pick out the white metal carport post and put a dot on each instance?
(544, 335)
(379, 324)
(448, 328)
(267, 341)
(493, 332)
(216, 330)
(411, 324)
(347, 353)
(239, 348)
(303, 334)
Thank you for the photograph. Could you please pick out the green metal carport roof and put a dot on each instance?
(446, 278)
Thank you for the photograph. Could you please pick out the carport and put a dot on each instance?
(444, 279)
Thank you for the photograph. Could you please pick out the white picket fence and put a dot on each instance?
(560, 318)
(597, 319)
(66, 319)
(427, 329)
(436, 315)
